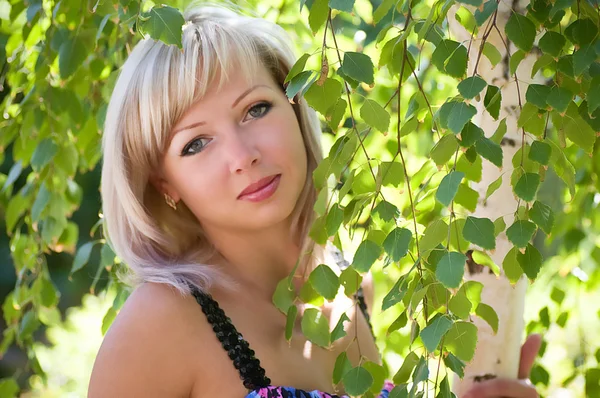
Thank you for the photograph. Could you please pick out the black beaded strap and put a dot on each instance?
(359, 295)
(237, 348)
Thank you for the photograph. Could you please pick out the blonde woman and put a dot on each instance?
(207, 197)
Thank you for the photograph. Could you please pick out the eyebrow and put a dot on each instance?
(244, 94)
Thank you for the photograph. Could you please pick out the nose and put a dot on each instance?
(242, 152)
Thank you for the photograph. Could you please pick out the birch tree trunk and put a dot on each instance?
(497, 355)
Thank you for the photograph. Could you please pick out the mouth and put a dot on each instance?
(261, 189)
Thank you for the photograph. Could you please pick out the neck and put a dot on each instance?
(258, 260)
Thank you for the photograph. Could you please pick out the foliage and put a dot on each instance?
(398, 104)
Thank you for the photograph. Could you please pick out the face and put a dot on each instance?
(237, 158)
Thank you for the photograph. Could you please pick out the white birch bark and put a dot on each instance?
(497, 355)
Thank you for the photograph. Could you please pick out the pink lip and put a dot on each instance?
(261, 190)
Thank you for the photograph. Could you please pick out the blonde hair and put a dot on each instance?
(156, 85)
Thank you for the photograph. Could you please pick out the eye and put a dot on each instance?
(260, 109)
(194, 146)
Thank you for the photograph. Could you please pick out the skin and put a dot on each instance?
(160, 344)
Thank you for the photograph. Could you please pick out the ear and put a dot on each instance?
(163, 186)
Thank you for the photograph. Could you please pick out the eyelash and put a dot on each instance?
(264, 104)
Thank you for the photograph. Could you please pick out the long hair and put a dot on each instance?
(156, 85)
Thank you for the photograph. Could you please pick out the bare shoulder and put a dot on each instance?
(145, 351)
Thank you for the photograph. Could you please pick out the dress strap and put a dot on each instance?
(238, 349)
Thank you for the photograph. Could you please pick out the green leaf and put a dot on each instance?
(321, 98)
(489, 150)
(393, 174)
(530, 261)
(466, 197)
(527, 186)
(9, 388)
(537, 94)
(444, 149)
(445, 391)
(510, 265)
(450, 57)
(470, 134)
(492, 101)
(164, 23)
(540, 152)
(43, 154)
(358, 66)
(351, 280)
(593, 95)
(521, 31)
(341, 367)
(283, 297)
(375, 115)
(577, 130)
(378, 372)
(325, 281)
(515, 60)
(396, 243)
(530, 120)
(357, 381)
(451, 361)
(434, 234)
(461, 114)
(335, 114)
(386, 211)
(334, 219)
(300, 83)
(41, 201)
(492, 53)
(448, 187)
(489, 315)
(480, 231)
(460, 305)
(542, 215)
(290, 321)
(521, 232)
(483, 13)
(471, 86)
(499, 226)
(563, 167)
(342, 5)
(315, 327)
(318, 14)
(493, 187)
(552, 43)
(71, 55)
(450, 269)
(582, 31)
(461, 340)
(421, 372)
(297, 68)
(466, 19)
(395, 295)
(366, 254)
(29, 324)
(433, 333)
(559, 98)
(403, 374)
(382, 10)
(338, 331)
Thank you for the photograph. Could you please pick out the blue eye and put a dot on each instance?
(194, 146)
(259, 110)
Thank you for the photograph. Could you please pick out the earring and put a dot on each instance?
(170, 201)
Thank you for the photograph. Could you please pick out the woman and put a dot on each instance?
(208, 197)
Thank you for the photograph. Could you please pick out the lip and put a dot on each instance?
(261, 189)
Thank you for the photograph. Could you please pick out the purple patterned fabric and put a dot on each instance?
(291, 392)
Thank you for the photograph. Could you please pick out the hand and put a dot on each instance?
(509, 388)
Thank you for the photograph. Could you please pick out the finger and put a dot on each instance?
(502, 388)
(529, 351)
